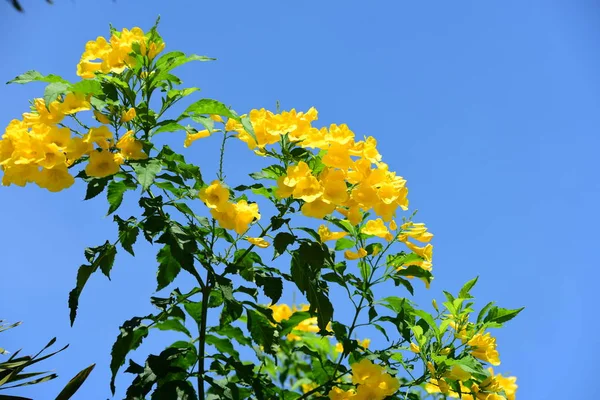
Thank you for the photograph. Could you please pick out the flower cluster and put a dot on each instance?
(237, 216)
(37, 150)
(281, 312)
(115, 55)
(494, 387)
(373, 383)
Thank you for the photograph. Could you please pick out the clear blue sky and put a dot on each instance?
(490, 110)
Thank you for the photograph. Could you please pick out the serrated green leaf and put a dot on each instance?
(261, 330)
(281, 242)
(209, 106)
(131, 336)
(146, 172)
(466, 289)
(168, 267)
(35, 76)
(344, 243)
(54, 90)
(172, 325)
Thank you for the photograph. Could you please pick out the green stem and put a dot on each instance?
(202, 336)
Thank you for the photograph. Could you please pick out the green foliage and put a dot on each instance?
(199, 234)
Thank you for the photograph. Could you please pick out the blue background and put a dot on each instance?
(490, 110)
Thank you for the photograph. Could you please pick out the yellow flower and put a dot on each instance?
(215, 195)
(338, 394)
(317, 209)
(55, 179)
(308, 189)
(19, 175)
(337, 156)
(77, 148)
(225, 215)
(414, 348)
(192, 137)
(53, 156)
(509, 385)
(103, 119)
(244, 215)
(364, 370)
(102, 136)
(417, 231)
(281, 312)
(129, 115)
(425, 253)
(437, 386)
(258, 242)
(131, 148)
(73, 103)
(334, 186)
(216, 118)
(364, 343)
(484, 348)
(339, 347)
(393, 225)
(325, 234)
(47, 116)
(377, 228)
(458, 374)
(101, 164)
(350, 255)
(445, 351)
(364, 195)
(340, 134)
(307, 387)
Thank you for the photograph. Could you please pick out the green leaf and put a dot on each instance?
(209, 106)
(429, 320)
(194, 310)
(128, 233)
(100, 257)
(168, 267)
(500, 315)
(272, 286)
(222, 345)
(400, 281)
(415, 271)
(87, 86)
(132, 334)
(289, 324)
(466, 289)
(484, 310)
(173, 59)
(271, 172)
(75, 383)
(344, 243)
(169, 127)
(95, 187)
(146, 172)
(54, 90)
(261, 330)
(35, 76)
(115, 193)
(281, 241)
(172, 325)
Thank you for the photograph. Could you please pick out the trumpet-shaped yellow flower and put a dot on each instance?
(259, 242)
(350, 255)
(326, 235)
(101, 164)
(317, 209)
(414, 348)
(376, 227)
(192, 137)
(417, 231)
(484, 348)
(55, 179)
(128, 115)
(338, 394)
(131, 148)
(215, 196)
